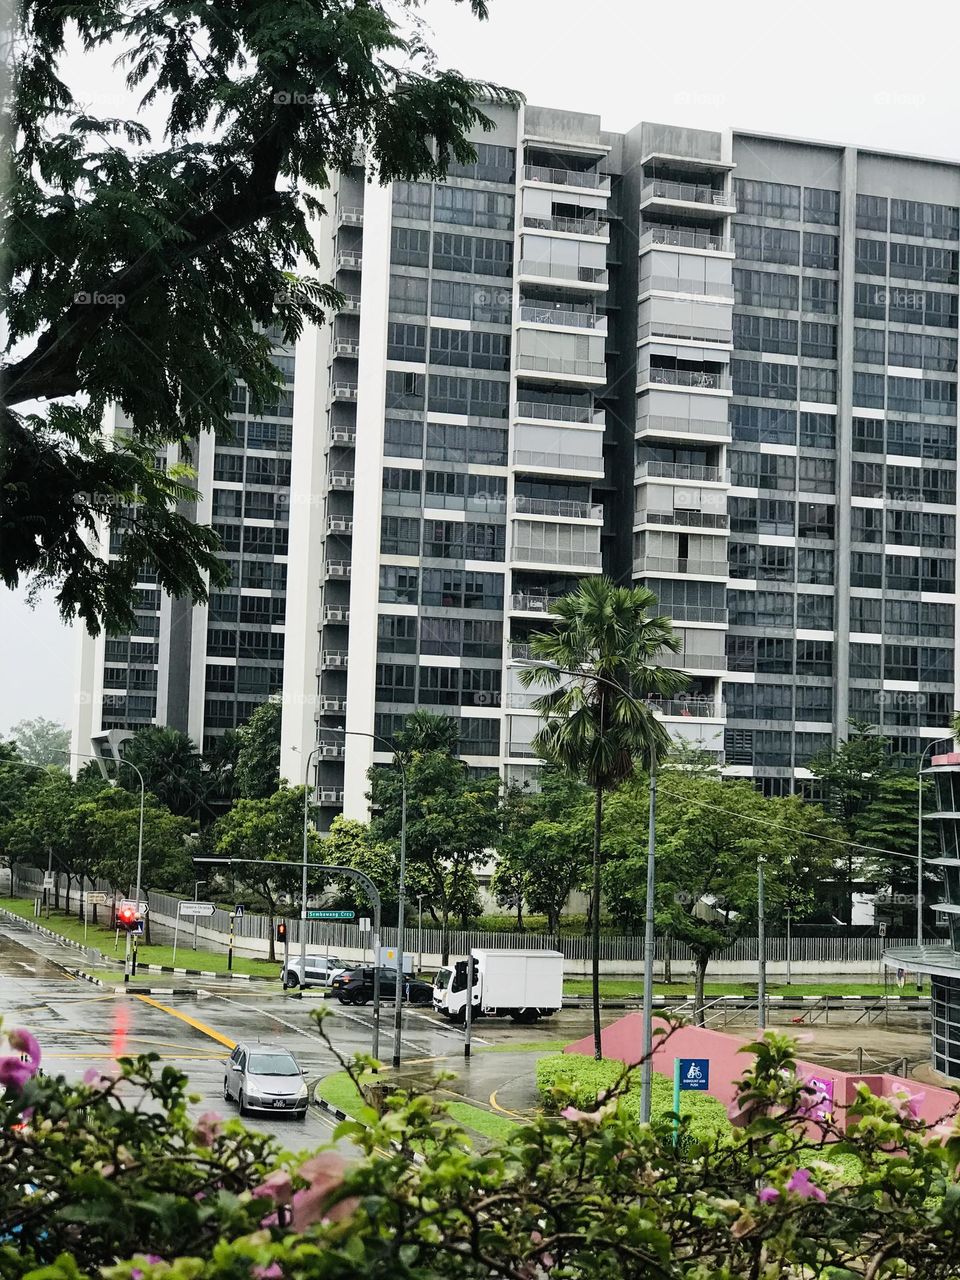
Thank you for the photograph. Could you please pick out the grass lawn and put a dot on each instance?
(616, 987)
(68, 926)
(340, 1091)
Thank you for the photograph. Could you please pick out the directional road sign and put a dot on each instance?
(197, 908)
(238, 912)
(141, 908)
(329, 915)
(97, 899)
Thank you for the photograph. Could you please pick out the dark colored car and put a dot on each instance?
(356, 987)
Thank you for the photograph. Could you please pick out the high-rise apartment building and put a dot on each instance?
(723, 365)
(203, 669)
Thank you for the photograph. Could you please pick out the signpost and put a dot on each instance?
(190, 910)
(689, 1074)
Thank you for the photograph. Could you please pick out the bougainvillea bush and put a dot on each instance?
(112, 1179)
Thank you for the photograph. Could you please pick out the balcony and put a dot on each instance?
(351, 304)
(331, 751)
(657, 425)
(559, 507)
(590, 181)
(591, 277)
(684, 238)
(337, 568)
(347, 261)
(336, 613)
(340, 480)
(690, 706)
(349, 216)
(691, 288)
(685, 193)
(559, 463)
(343, 435)
(542, 412)
(587, 369)
(692, 661)
(560, 317)
(343, 392)
(333, 659)
(689, 568)
(656, 470)
(550, 555)
(570, 226)
(333, 706)
(340, 524)
(689, 379)
(347, 347)
(696, 613)
(654, 329)
(523, 602)
(684, 519)
(331, 795)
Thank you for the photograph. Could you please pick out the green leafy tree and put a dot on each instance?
(889, 822)
(171, 767)
(149, 276)
(352, 844)
(451, 817)
(256, 772)
(511, 876)
(41, 741)
(271, 831)
(596, 724)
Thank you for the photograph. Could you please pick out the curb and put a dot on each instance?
(339, 1114)
(206, 973)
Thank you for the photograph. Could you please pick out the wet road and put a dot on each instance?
(80, 1026)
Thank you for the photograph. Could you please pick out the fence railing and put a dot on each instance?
(329, 936)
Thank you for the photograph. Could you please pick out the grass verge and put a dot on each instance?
(101, 937)
(340, 1091)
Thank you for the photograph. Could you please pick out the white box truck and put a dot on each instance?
(523, 985)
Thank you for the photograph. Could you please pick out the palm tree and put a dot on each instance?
(599, 658)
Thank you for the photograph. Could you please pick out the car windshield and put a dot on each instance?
(272, 1064)
(442, 980)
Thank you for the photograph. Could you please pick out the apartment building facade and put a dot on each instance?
(204, 669)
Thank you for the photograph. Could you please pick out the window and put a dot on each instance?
(939, 309)
(479, 737)
(443, 539)
(814, 657)
(871, 257)
(760, 608)
(768, 381)
(815, 520)
(399, 536)
(914, 218)
(868, 389)
(396, 634)
(471, 207)
(408, 294)
(402, 438)
(939, 485)
(775, 290)
(872, 213)
(906, 305)
(412, 200)
(820, 250)
(447, 443)
(464, 301)
(814, 702)
(820, 205)
(395, 682)
(493, 164)
(401, 486)
(940, 265)
(939, 398)
(820, 295)
(869, 301)
(904, 395)
(868, 435)
(440, 686)
(818, 341)
(406, 341)
(767, 244)
(410, 247)
(484, 541)
(762, 470)
(474, 397)
(404, 390)
(865, 615)
(816, 475)
(767, 199)
(472, 254)
(814, 613)
(769, 425)
(866, 569)
(818, 386)
(815, 565)
(818, 430)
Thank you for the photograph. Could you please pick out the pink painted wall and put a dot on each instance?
(623, 1040)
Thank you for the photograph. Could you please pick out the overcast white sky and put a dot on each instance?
(880, 74)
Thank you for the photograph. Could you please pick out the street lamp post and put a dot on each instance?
(398, 992)
(420, 898)
(303, 880)
(762, 951)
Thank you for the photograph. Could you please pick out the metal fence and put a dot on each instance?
(812, 948)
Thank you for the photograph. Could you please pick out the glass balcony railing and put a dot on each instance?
(563, 271)
(695, 288)
(590, 180)
(684, 238)
(561, 507)
(685, 519)
(692, 568)
(558, 315)
(692, 661)
(552, 555)
(572, 368)
(563, 462)
(697, 379)
(654, 424)
(687, 192)
(693, 706)
(526, 602)
(657, 470)
(689, 332)
(571, 226)
(543, 412)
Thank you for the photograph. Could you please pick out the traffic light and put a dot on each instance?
(127, 918)
(281, 930)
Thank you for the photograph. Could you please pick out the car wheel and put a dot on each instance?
(290, 981)
(345, 999)
(363, 999)
(241, 1105)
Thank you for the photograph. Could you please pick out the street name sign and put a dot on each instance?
(311, 914)
(197, 908)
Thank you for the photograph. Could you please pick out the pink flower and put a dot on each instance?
(768, 1195)
(907, 1104)
(208, 1128)
(136, 1273)
(98, 1079)
(324, 1174)
(589, 1117)
(14, 1073)
(801, 1185)
(25, 1042)
(277, 1186)
(270, 1272)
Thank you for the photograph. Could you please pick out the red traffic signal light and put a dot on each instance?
(127, 918)
(281, 931)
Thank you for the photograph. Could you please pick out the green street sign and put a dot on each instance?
(330, 915)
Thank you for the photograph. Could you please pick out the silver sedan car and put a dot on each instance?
(265, 1077)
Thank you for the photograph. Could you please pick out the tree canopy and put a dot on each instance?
(256, 771)
(150, 276)
(42, 741)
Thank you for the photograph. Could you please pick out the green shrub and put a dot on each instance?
(582, 1078)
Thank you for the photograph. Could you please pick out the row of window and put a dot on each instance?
(414, 295)
(775, 655)
(123, 649)
(452, 251)
(242, 404)
(781, 291)
(928, 351)
(472, 349)
(443, 442)
(908, 217)
(909, 528)
(262, 680)
(901, 573)
(932, 396)
(802, 611)
(784, 337)
(224, 642)
(906, 261)
(266, 610)
(438, 686)
(780, 200)
(467, 206)
(899, 305)
(478, 736)
(901, 662)
(240, 469)
(874, 615)
(446, 393)
(250, 504)
(765, 424)
(913, 439)
(405, 487)
(773, 748)
(129, 677)
(769, 381)
(778, 702)
(873, 213)
(781, 517)
(781, 564)
(227, 713)
(776, 244)
(449, 637)
(441, 539)
(449, 588)
(253, 540)
(806, 473)
(899, 483)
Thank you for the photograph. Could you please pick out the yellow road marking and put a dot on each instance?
(191, 1022)
(514, 1115)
